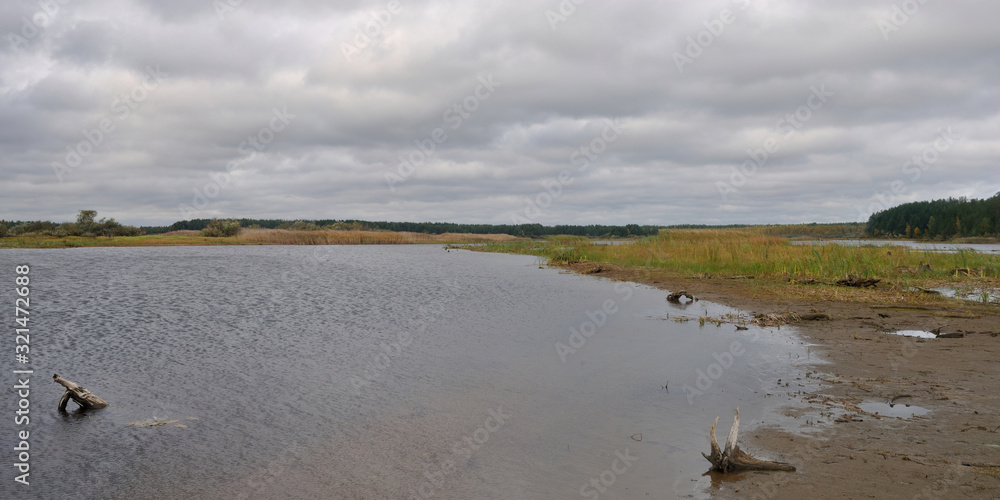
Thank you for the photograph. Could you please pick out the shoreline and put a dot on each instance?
(850, 452)
(256, 237)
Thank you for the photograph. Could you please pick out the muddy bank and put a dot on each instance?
(853, 448)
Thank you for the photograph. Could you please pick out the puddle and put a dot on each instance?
(894, 410)
(914, 333)
(975, 296)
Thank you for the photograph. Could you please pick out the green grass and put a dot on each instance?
(729, 253)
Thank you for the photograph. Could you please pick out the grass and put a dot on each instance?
(254, 237)
(729, 253)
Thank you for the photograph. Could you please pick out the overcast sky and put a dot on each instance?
(153, 111)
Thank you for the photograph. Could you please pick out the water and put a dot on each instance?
(919, 245)
(915, 333)
(981, 295)
(898, 410)
(372, 372)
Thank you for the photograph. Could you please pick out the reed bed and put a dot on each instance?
(290, 237)
(732, 253)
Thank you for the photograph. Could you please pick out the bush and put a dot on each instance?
(300, 225)
(218, 228)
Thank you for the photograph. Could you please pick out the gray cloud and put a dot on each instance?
(204, 136)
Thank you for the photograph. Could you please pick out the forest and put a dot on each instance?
(938, 219)
(526, 230)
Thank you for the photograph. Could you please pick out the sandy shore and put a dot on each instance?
(852, 453)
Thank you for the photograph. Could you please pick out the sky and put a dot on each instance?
(550, 112)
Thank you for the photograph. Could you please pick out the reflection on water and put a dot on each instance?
(374, 372)
(914, 333)
(893, 409)
(919, 245)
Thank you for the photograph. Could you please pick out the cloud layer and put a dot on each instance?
(496, 112)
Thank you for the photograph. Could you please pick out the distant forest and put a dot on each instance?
(87, 226)
(938, 219)
(528, 230)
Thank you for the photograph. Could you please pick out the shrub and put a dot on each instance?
(217, 228)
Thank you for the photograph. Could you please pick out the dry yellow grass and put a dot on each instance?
(256, 236)
(289, 237)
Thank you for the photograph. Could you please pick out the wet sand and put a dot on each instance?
(843, 451)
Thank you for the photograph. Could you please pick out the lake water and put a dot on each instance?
(919, 245)
(372, 372)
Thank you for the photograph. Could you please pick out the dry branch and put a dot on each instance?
(82, 396)
(733, 459)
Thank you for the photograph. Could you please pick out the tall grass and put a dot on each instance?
(321, 237)
(256, 236)
(728, 253)
(291, 237)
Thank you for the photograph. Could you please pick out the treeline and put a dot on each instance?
(836, 230)
(938, 219)
(86, 225)
(527, 230)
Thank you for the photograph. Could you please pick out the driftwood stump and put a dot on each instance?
(677, 296)
(733, 459)
(82, 396)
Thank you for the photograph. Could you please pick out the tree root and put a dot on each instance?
(82, 396)
(733, 459)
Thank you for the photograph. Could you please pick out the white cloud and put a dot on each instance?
(683, 132)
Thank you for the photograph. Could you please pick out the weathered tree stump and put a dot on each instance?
(82, 396)
(733, 459)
